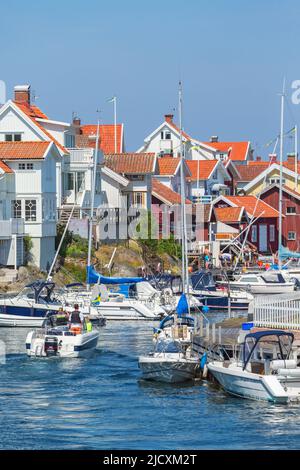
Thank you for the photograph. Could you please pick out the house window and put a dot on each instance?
(165, 135)
(29, 166)
(291, 210)
(272, 233)
(69, 141)
(69, 181)
(276, 181)
(30, 210)
(292, 236)
(13, 137)
(138, 199)
(254, 234)
(16, 208)
(22, 166)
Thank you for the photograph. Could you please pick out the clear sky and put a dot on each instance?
(230, 54)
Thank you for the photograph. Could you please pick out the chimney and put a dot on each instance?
(169, 117)
(258, 159)
(22, 94)
(272, 157)
(291, 158)
(214, 138)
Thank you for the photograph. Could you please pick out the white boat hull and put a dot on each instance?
(70, 346)
(248, 385)
(265, 288)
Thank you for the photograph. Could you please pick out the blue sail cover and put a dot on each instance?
(95, 278)
(286, 253)
(182, 306)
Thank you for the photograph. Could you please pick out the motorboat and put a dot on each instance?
(171, 361)
(114, 305)
(69, 340)
(272, 282)
(265, 370)
(204, 288)
(32, 305)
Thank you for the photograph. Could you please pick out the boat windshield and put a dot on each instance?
(270, 344)
(168, 346)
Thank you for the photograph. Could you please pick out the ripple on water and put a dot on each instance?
(103, 403)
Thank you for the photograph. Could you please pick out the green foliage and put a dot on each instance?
(77, 271)
(78, 248)
(28, 245)
(66, 242)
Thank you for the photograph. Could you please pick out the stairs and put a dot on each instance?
(64, 214)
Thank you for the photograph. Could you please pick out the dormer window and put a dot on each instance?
(13, 137)
(165, 135)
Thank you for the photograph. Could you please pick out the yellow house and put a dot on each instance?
(256, 176)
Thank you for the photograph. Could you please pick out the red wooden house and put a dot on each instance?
(291, 213)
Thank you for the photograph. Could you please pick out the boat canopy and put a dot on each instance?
(38, 287)
(95, 278)
(169, 320)
(265, 335)
(286, 253)
(257, 335)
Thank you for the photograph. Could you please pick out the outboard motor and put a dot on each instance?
(51, 346)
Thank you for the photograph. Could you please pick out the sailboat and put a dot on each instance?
(173, 359)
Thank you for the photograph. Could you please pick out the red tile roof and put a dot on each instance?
(107, 137)
(249, 172)
(165, 194)
(228, 214)
(23, 150)
(33, 112)
(131, 163)
(206, 167)
(167, 166)
(249, 203)
(5, 167)
(235, 150)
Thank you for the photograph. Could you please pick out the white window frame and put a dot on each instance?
(290, 213)
(292, 236)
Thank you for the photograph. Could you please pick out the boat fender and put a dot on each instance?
(203, 361)
(205, 371)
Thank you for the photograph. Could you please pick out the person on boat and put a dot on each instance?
(247, 256)
(62, 317)
(88, 325)
(76, 317)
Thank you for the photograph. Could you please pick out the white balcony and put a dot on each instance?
(84, 155)
(166, 145)
(11, 227)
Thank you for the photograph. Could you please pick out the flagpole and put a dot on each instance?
(115, 121)
(281, 174)
(296, 157)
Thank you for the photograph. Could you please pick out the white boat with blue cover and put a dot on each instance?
(266, 370)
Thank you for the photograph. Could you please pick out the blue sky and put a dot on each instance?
(231, 55)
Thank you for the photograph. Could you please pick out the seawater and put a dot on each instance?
(102, 403)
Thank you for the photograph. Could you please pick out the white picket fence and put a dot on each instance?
(278, 311)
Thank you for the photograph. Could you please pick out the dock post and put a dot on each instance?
(213, 332)
(201, 326)
(207, 331)
(220, 334)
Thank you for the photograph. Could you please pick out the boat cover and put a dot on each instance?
(95, 278)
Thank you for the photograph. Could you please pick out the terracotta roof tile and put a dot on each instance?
(160, 190)
(107, 137)
(167, 166)
(131, 163)
(249, 203)
(34, 112)
(5, 167)
(22, 150)
(206, 167)
(236, 150)
(228, 214)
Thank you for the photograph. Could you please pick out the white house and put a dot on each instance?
(208, 179)
(165, 141)
(11, 230)
(31, 194)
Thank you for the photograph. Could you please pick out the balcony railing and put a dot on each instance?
(81, 155)
(11, 227)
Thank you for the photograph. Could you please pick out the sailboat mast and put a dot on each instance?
(185, 280)
(93, 186)
(281, 174)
